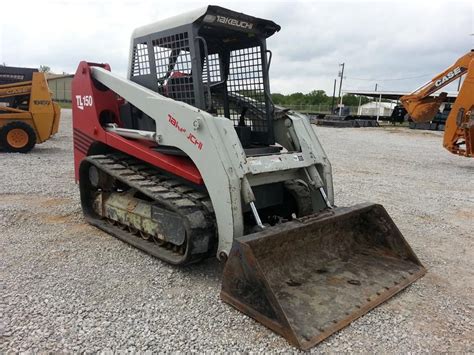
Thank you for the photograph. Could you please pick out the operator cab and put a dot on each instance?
(211, 58)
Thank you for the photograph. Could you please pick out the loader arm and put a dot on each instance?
(11, 90)
(420, 105)
(220, 156)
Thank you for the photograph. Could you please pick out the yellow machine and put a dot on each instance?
(459, 129)
(28, 114)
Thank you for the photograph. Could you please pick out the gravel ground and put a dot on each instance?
(66, 286)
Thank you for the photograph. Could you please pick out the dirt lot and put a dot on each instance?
(67, 286)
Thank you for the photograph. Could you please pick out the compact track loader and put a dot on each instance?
(189, 158)
(28, 115)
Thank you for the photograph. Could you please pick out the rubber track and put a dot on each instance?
(192, 205)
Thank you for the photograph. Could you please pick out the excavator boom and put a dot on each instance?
(459, 135)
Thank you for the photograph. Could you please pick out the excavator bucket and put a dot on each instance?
(308, 278)
(424, 110)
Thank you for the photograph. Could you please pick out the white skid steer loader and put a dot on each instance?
(189, 158)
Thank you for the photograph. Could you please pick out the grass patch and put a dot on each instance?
(65, 104)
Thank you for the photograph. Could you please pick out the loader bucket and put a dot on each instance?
(308, 278)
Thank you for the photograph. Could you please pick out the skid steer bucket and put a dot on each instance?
(308, 278)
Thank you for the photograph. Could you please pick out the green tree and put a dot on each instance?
(297, 98)
(353, 100)
(278, 99)
(316, 97)
(44, 69)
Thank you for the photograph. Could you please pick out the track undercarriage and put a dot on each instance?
(160, 214)
(156, 213)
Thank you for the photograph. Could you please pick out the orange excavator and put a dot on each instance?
(459, 128)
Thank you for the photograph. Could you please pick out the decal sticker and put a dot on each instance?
(174, 122)
(14, 91)
(41, 102)
(190, 137)
(450, 75)
(83, 101)
(234, 22)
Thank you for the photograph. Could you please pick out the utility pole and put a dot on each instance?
(333, 96)
(376, 87)
(341, 74)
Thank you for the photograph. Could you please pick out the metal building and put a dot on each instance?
(60, 85)
(376, 108)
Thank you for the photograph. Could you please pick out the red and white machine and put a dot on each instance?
(189, 158)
